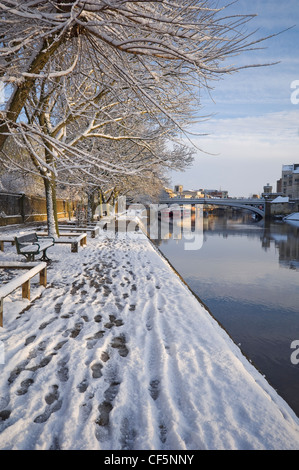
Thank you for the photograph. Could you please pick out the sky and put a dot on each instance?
(253, 125)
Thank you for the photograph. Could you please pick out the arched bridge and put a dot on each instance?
(255, 205)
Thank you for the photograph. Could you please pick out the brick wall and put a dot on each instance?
(19, 208)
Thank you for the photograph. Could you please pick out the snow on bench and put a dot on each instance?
(81, 238)
(30, 245)
(74, 239)
(93, 230)
(8, 239)
(21, 281)
(71, 238)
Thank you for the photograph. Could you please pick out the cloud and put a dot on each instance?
(243, 154)
(273, 127)
(253, 91)
(253, 127)
(271, 14)
(260, 89)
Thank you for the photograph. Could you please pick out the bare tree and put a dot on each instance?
(124, 62)
(82, 133)
(78, 135)
(186, 40)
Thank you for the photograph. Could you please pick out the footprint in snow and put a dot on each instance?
(29, 340)
(92, 340)
(63, 371)
(25, 384)
(4, 415)
(113, 322)
(107, 405)
(53, 405)
(82, 386)
(97, 370)
(119, 343)
(154, 388)
(162, 432)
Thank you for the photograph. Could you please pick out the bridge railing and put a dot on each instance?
(255, 205)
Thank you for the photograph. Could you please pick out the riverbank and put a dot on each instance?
(116, 353)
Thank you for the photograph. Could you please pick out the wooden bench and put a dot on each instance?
(93, 230)
(21, 281)
(30, 245)
(74, 239)
(79, 239)
(75, 224)
(8, 239)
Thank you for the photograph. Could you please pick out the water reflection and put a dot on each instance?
(178, 224)
(239, 273)
(288, 246)
(191, 225)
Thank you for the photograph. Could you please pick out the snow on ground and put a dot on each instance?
(116, 353)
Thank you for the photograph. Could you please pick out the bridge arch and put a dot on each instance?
(238, 203)
(248, 207)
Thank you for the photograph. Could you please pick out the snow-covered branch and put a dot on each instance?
(197, 36)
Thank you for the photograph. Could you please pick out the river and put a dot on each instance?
(247, 273)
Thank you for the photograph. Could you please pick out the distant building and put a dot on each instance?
(269, 194)
(187, 193)
(290, 181)
(192, 194)
(168, 193)
(267, 189)
(178, 188)
(179, 192)
(216, 193)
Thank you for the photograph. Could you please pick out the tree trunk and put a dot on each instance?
(50, 209)
(101, 203)
(54, 204)
(50, 193)
(89, 207)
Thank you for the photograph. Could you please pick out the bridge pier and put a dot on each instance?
(267, 215)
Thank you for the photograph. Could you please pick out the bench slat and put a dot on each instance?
(18, 264)
(71, 238)
(44, 245)
(29, 249)
(23, 280)
(18, 281)
(93, 230)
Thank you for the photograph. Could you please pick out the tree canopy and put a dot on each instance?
(101, 89)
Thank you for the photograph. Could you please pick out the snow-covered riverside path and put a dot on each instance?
(116, 353)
